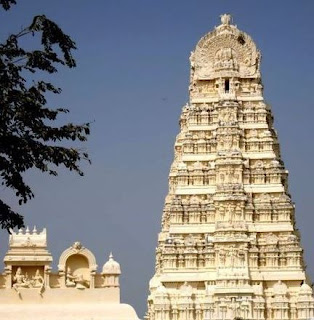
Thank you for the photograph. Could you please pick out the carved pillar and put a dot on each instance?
(47, 271)
(8, 276)
(174, 312)
(92, 279)
(62, 278)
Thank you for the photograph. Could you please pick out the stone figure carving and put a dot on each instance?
(231, 175)
(38, 281)
(271, 239)
(232, 255)
(81, 283)
(77, 281)
(233, 308)
(28, 242)
(228, 142)
(225, 59)
(222, 257)
(189, 240)
(70, 278)
(20, 280)
(230, 211)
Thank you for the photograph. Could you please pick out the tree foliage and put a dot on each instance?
(27, 137)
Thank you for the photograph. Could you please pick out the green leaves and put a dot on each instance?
(27, 137)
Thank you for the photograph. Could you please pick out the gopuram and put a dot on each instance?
(30, 290)
(228, 247)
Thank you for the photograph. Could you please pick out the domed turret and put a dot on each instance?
(305, 288)
(305, 302)
(111, 266)
(111, 272)
(154, 282)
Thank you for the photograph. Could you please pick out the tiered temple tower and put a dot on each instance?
(228, 248)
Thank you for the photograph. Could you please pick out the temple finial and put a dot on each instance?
(225, 19)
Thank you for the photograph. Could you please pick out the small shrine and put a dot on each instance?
(30, 289)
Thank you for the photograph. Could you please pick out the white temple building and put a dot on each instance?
(228, 247)
(30, 290)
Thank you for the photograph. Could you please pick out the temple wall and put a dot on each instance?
(2, 281)
(68, 295)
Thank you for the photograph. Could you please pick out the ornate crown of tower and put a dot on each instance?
(228, 248)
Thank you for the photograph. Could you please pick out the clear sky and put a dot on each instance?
(132, 80)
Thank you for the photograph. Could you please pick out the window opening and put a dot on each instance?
(227, 85)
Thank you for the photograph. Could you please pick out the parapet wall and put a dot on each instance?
(29, 287)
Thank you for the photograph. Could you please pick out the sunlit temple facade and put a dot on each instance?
(228, 247)
(31, 290)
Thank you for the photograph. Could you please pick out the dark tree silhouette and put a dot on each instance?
(28, 138)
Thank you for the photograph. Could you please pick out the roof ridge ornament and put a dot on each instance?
(77, 246)
(111, 256)
(226, 19)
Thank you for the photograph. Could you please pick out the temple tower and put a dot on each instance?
(228, 248)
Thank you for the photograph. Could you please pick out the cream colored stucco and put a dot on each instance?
(228, 247)
(30, 290)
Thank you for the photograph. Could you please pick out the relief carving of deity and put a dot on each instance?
(230, 212)
(222, 257)
(232, 257)
(228, 142)
(21, 280)
(232, 176)
(76, 281)
(225, 59)
(233, 309)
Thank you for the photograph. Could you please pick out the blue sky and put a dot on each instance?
(131, 81)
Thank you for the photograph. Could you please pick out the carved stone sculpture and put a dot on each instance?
(70, 280)
(20, 280)
(38, 281)
(76, 281)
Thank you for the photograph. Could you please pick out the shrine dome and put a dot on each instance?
(154, 282)
(305, 288)
(111, 266)
(161, 289)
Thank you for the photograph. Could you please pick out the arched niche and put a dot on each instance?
(76, 263)
(78, 266)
